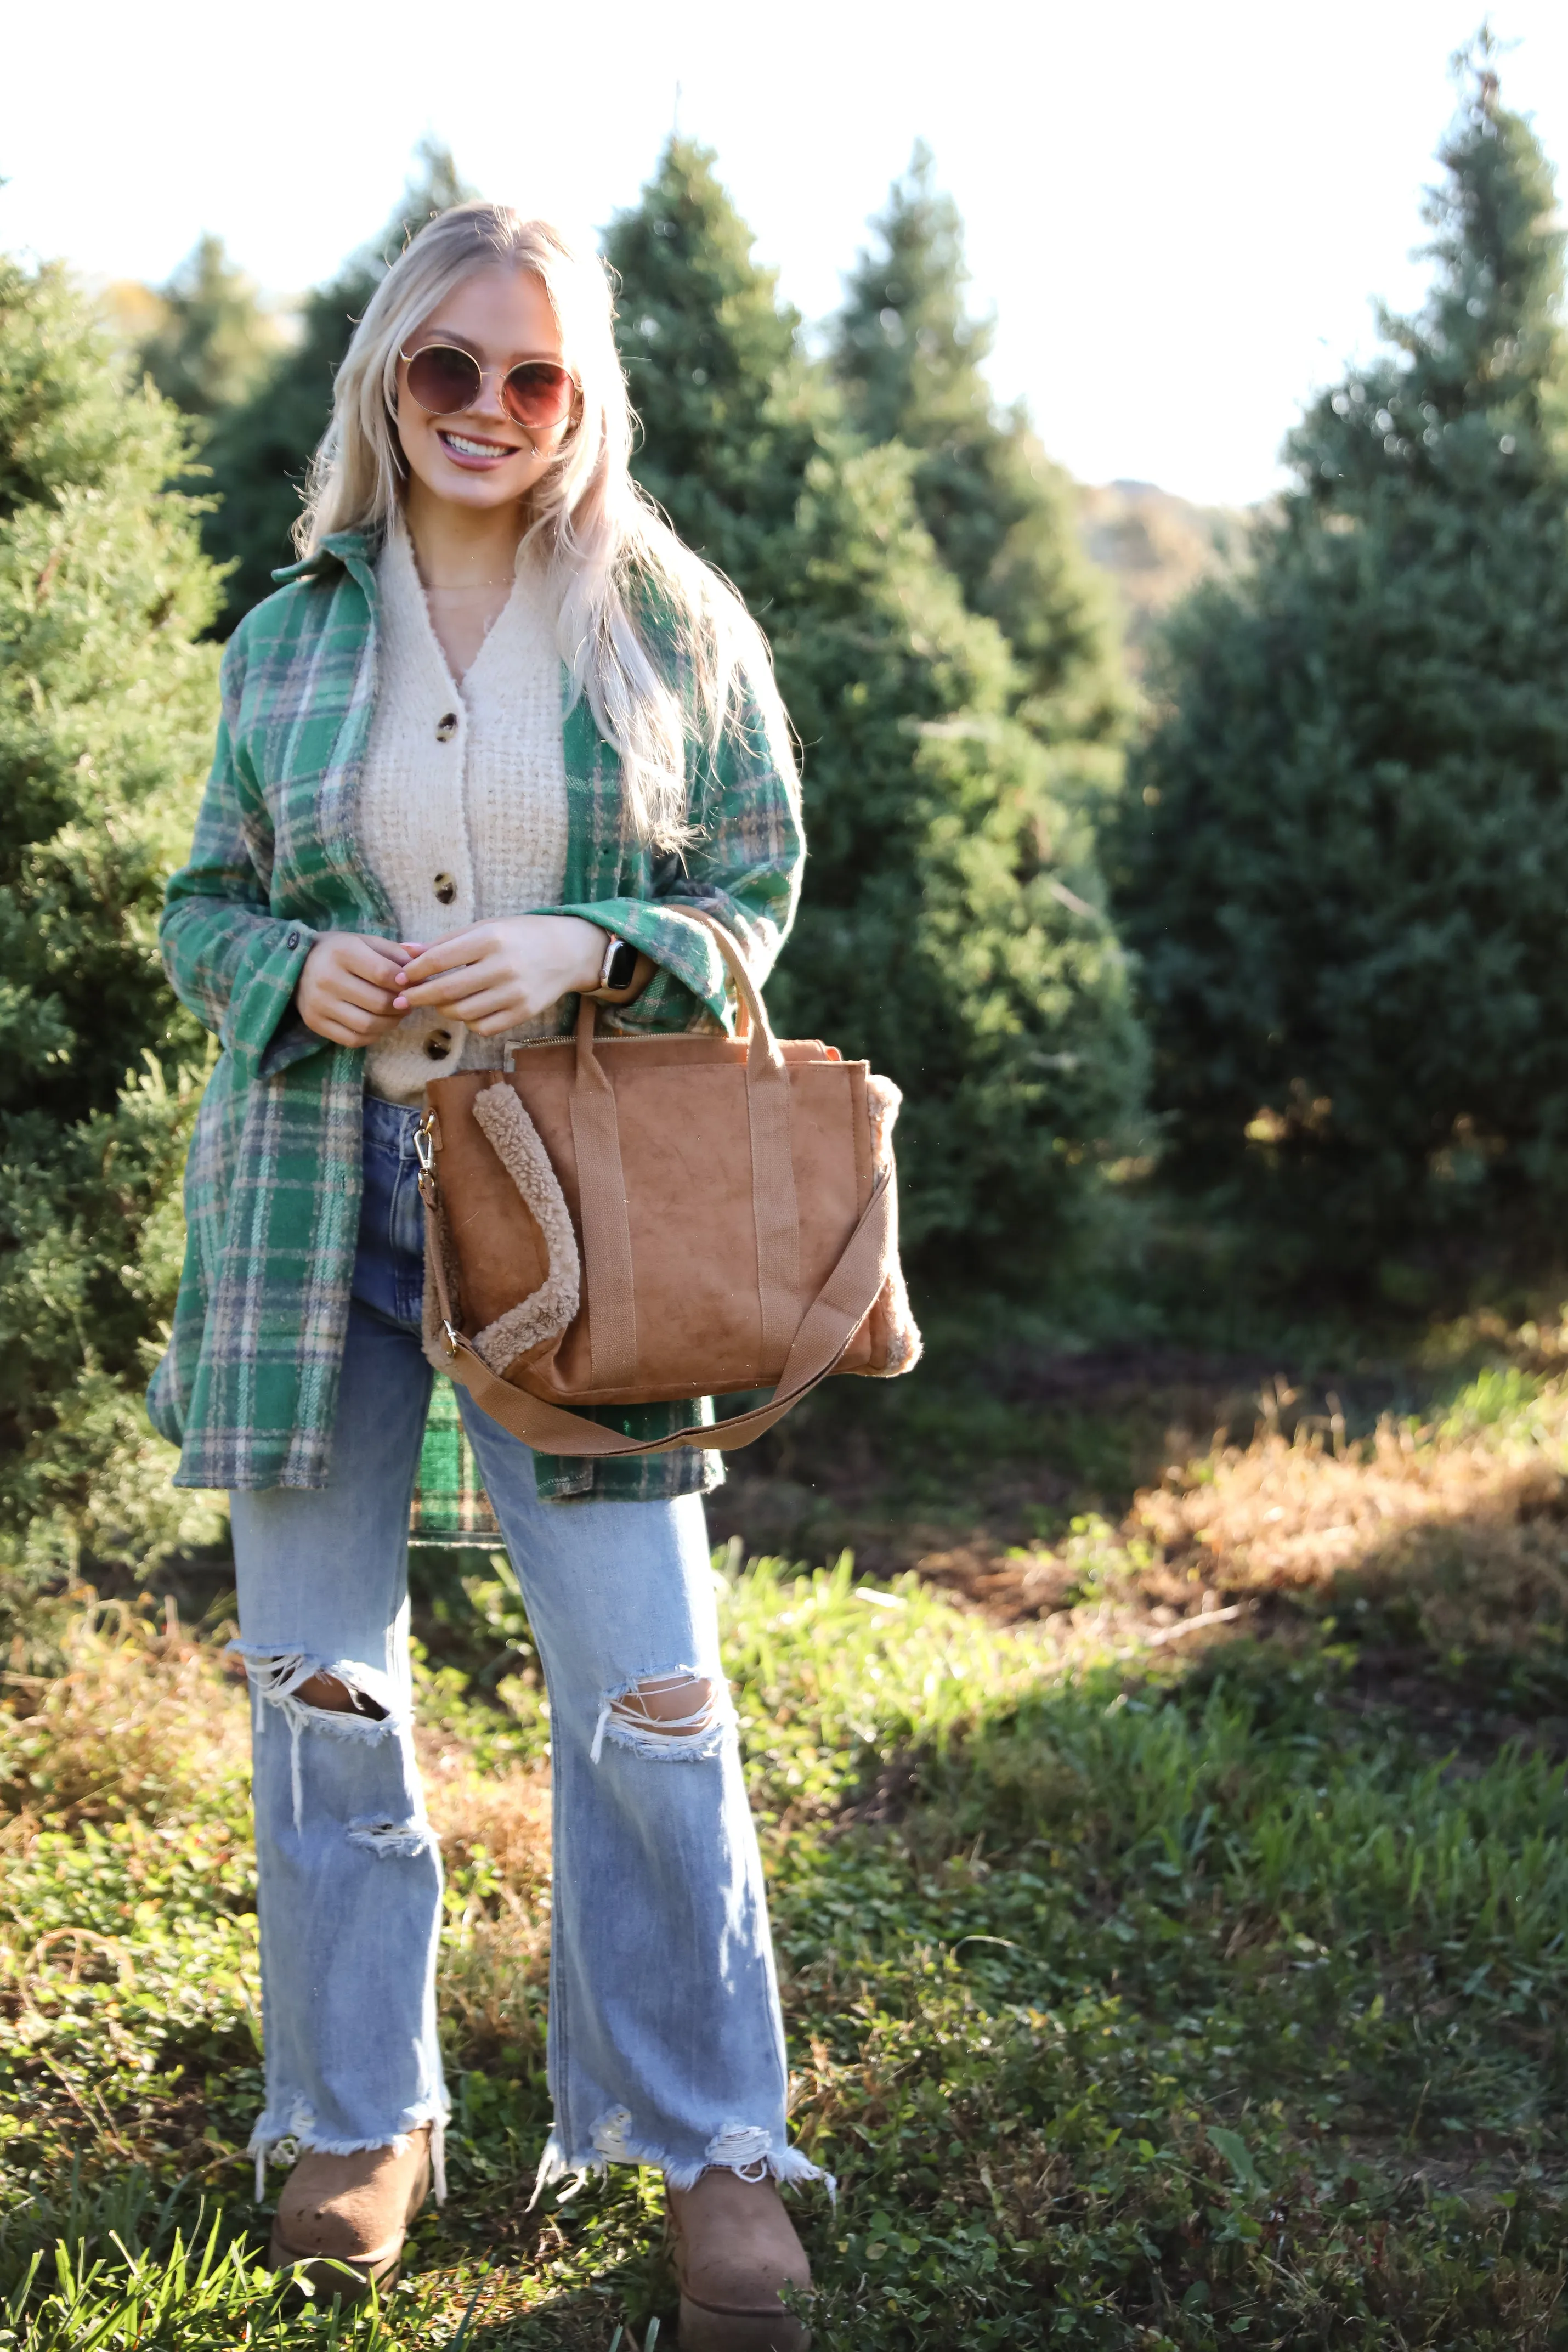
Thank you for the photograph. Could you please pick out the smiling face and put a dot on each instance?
(482, 459)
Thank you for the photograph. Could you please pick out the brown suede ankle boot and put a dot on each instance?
(735, 2247)
(346, 2215)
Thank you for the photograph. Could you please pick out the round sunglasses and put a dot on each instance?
(444, 381)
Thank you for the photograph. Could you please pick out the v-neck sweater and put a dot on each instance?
(461, 813)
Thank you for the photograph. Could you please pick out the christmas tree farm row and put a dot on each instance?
(1334, 871)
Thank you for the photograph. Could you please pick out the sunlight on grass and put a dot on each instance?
(1137, 1982)
(1463, 1515)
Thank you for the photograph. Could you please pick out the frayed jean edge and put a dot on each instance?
(295, 2138)
(783, 2164)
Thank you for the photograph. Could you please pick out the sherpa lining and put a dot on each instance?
(546, 1313)
(534, 1321)
(893, 1310)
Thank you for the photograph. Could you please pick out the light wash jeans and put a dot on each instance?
(667, 2046)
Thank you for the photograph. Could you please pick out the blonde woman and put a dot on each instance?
(494, 733)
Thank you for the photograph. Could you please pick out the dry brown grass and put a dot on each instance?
(495, 1962)
(137, 1720)
(505, 1816)
(1467, 1522)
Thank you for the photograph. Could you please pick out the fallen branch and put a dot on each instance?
(1194, 1624)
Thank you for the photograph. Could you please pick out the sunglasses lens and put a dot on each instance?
(443, 380)
(536, 393)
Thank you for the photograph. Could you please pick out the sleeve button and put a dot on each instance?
(446, 726)
(446, 888)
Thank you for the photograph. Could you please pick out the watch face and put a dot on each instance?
(622, 965)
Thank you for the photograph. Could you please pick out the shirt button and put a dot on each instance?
(438, 1044)
(446, 888)
(446, 726)
(292, 941)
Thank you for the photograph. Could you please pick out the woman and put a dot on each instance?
(495, 732)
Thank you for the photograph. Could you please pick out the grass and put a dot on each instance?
(1175, 1952)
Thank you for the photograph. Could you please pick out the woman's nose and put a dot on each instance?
(487, 401)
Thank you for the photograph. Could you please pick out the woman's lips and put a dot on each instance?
(473, 453)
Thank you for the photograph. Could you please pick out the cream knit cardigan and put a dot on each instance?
(461, 809)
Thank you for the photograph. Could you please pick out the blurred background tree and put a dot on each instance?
(213, 337)
(950, 928)
(260, 446)
(910, 360)
(106, 713)
(1340, 864)
(1345, 859)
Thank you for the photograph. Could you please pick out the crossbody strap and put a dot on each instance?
(829, 1323)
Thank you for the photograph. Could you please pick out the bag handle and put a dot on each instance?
(763, 1052)
(831, 1322)
(602, 1183)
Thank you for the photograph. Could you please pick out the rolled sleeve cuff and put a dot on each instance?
(262, 1027)
(681, 946)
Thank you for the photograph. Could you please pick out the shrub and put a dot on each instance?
(107, 703)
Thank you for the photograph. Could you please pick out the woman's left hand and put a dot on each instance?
(495, 976)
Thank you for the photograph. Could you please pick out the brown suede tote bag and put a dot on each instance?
(645, 1220)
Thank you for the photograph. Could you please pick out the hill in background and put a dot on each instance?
(1155, 547)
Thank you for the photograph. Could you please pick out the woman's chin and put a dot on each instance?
(498, 487)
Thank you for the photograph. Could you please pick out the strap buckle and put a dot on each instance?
(449, 1342)
(426, 1137)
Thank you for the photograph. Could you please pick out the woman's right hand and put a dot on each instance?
(347, 985)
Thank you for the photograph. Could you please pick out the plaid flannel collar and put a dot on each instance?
(354, 551)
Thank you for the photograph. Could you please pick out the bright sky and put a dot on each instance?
(1179, 213)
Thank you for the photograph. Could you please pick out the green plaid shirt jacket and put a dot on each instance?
(248, 1386)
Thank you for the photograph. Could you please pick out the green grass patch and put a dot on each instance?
(1194, 2003)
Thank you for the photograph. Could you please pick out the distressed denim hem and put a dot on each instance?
(737, 2149)
(298, 2136)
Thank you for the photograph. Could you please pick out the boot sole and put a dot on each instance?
(704, 2329)
(335, 2274)
(340, 2274)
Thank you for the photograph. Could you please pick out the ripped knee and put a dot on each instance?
(675, 1714)
(673, 1707)
(339, 1697)
(313, 1695)
(358, 1699)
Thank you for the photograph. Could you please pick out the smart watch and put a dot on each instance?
(618, 969)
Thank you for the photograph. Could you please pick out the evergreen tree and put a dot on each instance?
(949, 928)
(1347, 859)
(731, 416)
(106, 711)
(213, 337)
(259, 451)
(910, 360)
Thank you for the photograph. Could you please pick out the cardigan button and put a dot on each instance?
(446, 726)
(446, 888)
(438, 1044)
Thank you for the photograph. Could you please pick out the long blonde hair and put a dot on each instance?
(609, 549)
